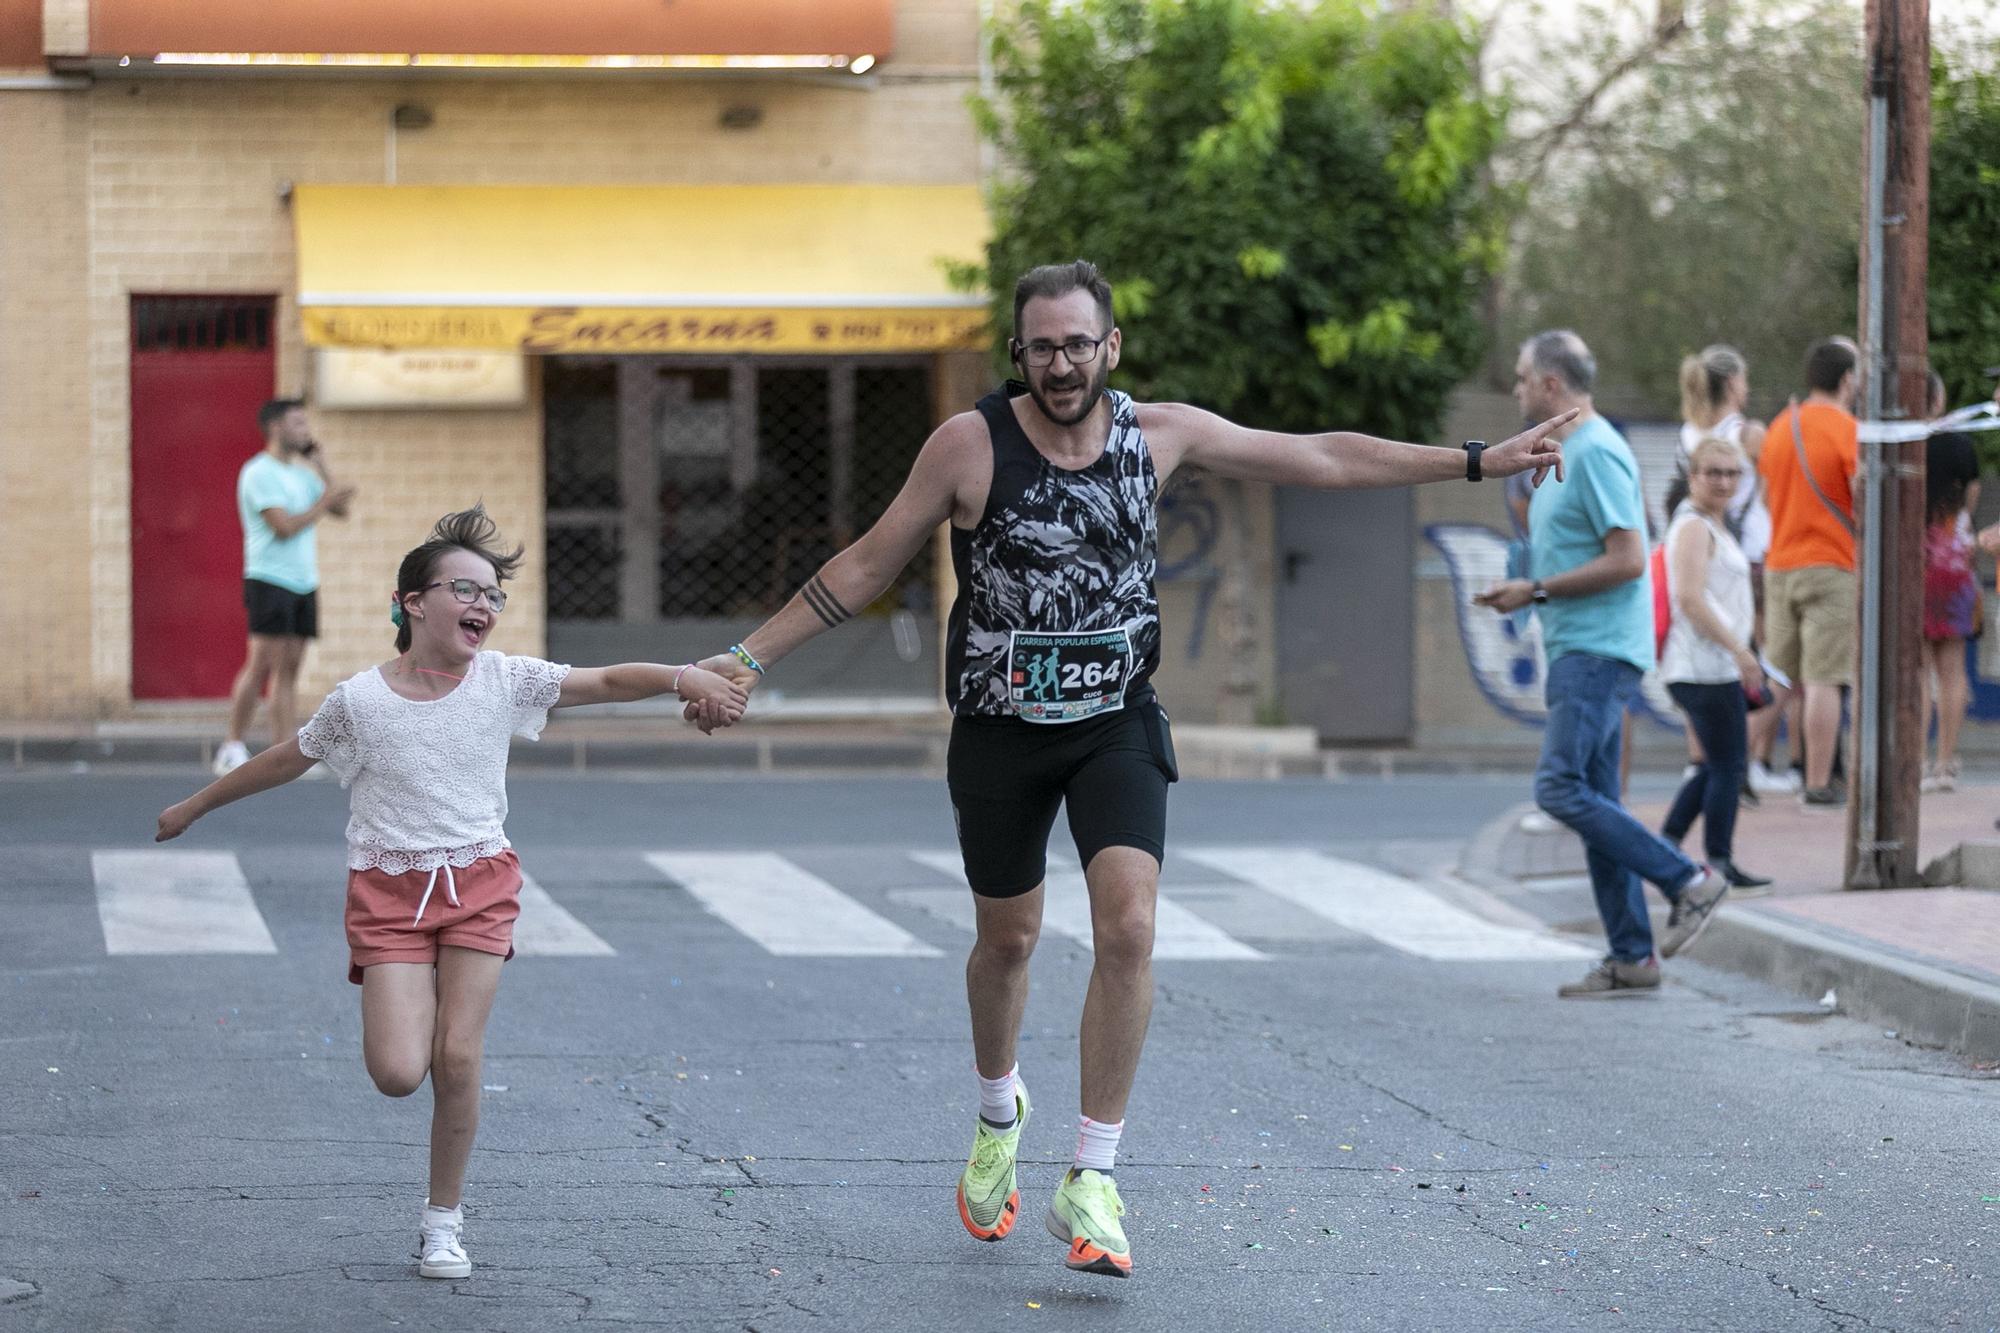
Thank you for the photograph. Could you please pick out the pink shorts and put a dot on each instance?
(383, 925)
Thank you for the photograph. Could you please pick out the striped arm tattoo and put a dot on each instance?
(824, 604)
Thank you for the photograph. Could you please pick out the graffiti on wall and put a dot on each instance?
(1190, 527)
(1505, 652)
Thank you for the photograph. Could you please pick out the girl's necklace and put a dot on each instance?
(422, 671)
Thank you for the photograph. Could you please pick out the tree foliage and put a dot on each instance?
(1717, 199)
(1290, 200)
(1965, 231)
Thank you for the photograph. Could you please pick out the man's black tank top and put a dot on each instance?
(1056, 553)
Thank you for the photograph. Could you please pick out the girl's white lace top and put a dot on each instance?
(429, 778)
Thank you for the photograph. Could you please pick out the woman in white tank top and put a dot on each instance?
(1715, 386)
(1708, 662)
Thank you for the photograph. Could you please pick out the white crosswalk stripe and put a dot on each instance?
(167, 901)
(1386, 907)
(1177, 932)
(787, 910)
(546, 930)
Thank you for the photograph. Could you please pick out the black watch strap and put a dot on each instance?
(1474, 448)
(1539, 593)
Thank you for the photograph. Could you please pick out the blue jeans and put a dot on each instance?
(1717, 714)
(1577, 783)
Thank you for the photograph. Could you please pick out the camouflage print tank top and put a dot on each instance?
(1056, 618)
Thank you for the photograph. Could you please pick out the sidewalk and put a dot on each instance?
(803, 736)
(1924, 961)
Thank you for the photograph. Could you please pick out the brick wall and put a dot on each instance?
(46, 515)
(160, 186)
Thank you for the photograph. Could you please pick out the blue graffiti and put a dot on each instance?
(1505, 653)
(1189, 525)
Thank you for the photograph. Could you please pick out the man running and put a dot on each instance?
(1050, 489)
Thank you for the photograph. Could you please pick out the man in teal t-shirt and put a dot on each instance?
(1588, 580)
(281, 495)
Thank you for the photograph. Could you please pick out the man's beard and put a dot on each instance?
(1093, 389)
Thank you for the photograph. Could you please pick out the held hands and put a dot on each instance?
(1534, 448)
(717, 691)
(174, 821)
(1510, 595)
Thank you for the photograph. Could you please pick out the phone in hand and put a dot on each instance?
(1756, 696)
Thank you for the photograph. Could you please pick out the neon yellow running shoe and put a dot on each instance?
(1085, 1213)
(988, 1196)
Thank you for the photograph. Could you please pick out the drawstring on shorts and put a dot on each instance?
(450, 890)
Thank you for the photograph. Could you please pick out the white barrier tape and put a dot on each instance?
(1967, 419)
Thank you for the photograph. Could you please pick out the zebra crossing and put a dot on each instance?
(167, 901)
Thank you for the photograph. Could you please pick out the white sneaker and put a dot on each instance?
(230, 755)
(1766, 783)
(1538, 821)
(439, 1241)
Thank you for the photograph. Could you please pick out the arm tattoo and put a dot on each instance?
(824, 604)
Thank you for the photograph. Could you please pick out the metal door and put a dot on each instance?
(201, 367)
(1346, 586)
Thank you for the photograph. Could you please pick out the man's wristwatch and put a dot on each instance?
(1473, 448)
(1539, 593)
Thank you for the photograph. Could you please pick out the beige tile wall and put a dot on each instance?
(46, 505)
(158, 187)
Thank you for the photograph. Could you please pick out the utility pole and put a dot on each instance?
(1895, 360)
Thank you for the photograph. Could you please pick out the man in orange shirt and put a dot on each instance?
(1809, 606)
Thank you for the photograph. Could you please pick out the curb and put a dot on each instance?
(1216, 753)
(1922, 1001)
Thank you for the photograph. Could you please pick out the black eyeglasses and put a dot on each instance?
(1077, 351)
(468, 591)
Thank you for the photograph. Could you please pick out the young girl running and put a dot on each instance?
(433, 887)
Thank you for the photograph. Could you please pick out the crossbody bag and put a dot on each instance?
(1799, 443)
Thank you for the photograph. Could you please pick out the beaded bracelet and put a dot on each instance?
(743, 655)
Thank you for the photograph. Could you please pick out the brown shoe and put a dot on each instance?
(1696, 905)
(1611, 980)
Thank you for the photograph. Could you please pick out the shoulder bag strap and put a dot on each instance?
(1799, 443)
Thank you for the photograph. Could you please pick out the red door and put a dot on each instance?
(201, 367)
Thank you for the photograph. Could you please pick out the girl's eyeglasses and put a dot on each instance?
(467, 591)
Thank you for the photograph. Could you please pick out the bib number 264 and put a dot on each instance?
(1068, 677)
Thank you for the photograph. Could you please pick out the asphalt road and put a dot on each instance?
(1342, 1122)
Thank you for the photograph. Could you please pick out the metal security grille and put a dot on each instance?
(580, 415)
(697, 494)
(201, 323)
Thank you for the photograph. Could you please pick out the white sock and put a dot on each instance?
(996, 1098)
(1097, 1144)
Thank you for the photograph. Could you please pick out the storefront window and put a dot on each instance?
(688, 500)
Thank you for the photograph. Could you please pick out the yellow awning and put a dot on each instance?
(700, 269)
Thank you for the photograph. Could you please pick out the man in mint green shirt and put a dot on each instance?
(281, 495)
(1587, 578)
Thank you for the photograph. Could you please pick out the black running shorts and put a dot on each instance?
(1008, 776)
(275, 610)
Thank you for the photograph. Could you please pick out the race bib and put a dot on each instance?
(1067, 677)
